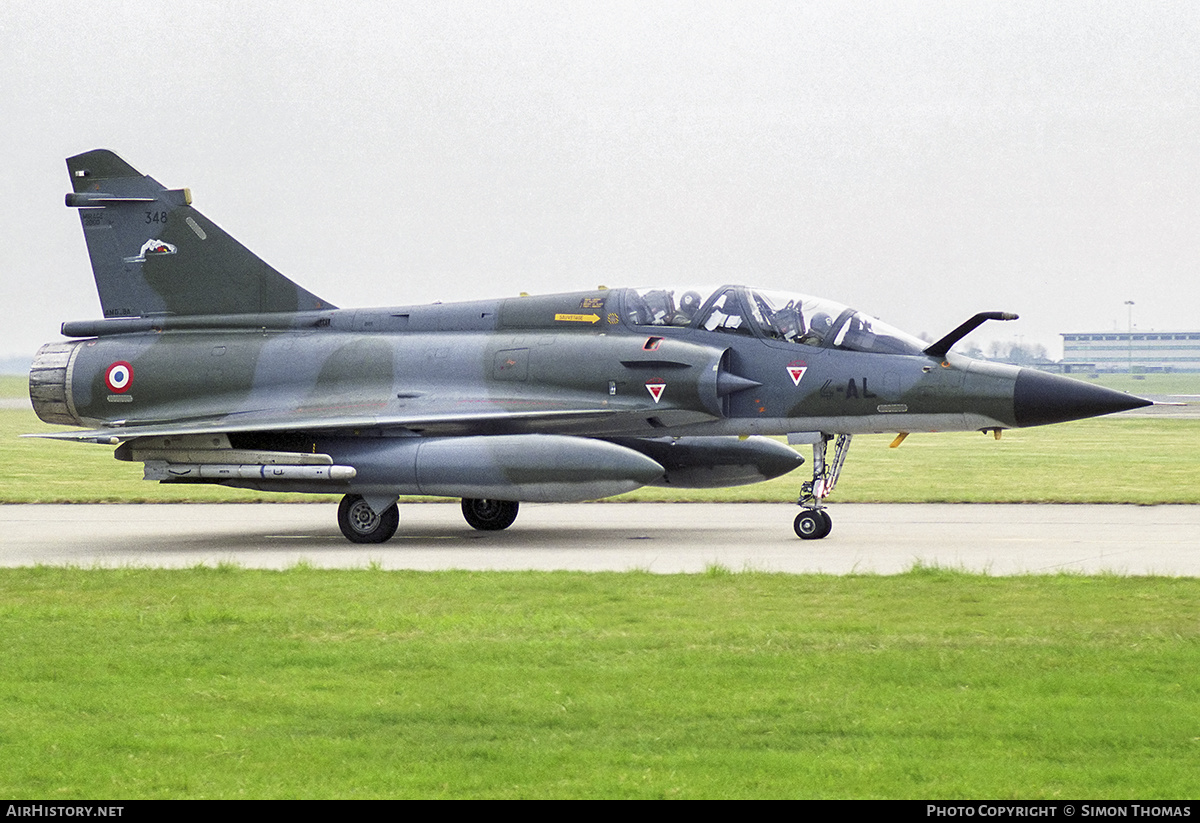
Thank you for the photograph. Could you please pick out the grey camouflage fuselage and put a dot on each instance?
(210, 366)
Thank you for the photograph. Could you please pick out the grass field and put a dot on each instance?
(224, 682)
(50, 471)
(1146, 383)
(933, 684)
(1108, 460)
(14, 385)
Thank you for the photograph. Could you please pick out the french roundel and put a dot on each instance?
(118, 377)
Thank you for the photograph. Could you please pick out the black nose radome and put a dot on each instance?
(1041, 398)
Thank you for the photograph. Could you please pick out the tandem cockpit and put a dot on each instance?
(773, 315)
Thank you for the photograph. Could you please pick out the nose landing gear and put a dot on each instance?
(814, 522)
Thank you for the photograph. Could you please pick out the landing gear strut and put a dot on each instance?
(814, 522)
(489, 515)
(360, 524)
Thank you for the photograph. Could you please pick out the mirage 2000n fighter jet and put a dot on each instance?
(210, 366)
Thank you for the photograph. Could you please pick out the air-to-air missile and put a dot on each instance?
(210, 366)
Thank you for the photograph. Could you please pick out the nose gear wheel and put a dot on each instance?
(812, 524)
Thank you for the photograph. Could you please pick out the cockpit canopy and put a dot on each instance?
(792, 318)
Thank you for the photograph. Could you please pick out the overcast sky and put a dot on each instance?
(920, 161)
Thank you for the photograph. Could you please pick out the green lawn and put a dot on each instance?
(934, 684)
(13, 386)
(224, 682)
(1146, 383)
(51, 471)
(1107, 460)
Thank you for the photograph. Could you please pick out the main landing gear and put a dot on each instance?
(814, 522)
(360, 523)
(489, 515)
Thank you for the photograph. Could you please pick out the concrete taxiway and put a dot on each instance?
(656, 537)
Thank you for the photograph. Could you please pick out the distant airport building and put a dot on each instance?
(1140, 351)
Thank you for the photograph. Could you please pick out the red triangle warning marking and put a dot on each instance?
(796, 372)
(656, 390)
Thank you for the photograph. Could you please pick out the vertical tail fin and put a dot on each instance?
(153, 254)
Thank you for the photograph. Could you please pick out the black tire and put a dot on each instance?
(828, 521)
(812, 524)
(489, 515)
(362, 525)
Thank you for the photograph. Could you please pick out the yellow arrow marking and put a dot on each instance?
(578, 318)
